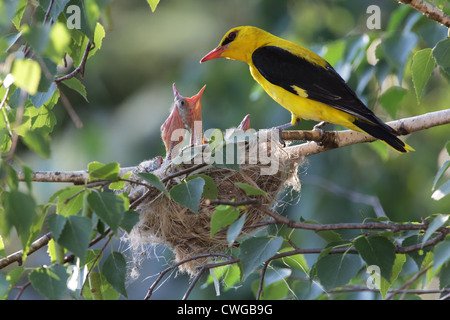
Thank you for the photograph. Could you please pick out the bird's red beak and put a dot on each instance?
(215, 53)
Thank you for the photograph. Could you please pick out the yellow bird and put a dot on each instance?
(302, 82)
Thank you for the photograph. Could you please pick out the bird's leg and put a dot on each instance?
(318, 127)
(295, 121)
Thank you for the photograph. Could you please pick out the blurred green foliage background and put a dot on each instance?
(129, 87)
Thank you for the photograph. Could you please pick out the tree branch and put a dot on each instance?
(17, 256)
(430, 10)
(338, 139)
(330, 140)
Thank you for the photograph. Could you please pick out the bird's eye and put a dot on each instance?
(230, 37)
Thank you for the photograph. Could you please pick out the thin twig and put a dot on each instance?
(409, 282)
(176, 265)
(94, 262)
(80, 69)
(48, 11)
(70, 110)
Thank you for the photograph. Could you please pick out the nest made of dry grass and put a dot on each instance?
(164, 221)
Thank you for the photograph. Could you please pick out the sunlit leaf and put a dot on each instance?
(222, 217)
(27, 74)
(109, 171)
(250, 190)
(75, 84)
(153, 4)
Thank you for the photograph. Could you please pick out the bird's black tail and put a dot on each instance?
(385, 133)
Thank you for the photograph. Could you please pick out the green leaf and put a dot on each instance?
(441, 254)
(130, 218)
(417, 256)
(58, 44)
(188, 194)
(76, 235)
(154, 181)
(2, 247)
(392, 99)
(222, 216)
(235, 230)
(422, 67)
(255, 251)
(98, 282)
(20, 210)
(385, 285)
(89, 14)
(115, 271)
(109, 171)
(444, 276)
(210, 190)
(377, 250)
(75, 84)
(38, 142)
(108, 206)
(40, 98)
(50, 282)
(69, 200)
(275, 285)
(250, 190)
(442, 191)
(296, 261)
(4, 286)
(396, 48)
(37, 36)
(441, 171)
(27, 74)
(99, 35)
(441, 53)
(153, 4)
(57, 7)
(56, 225)
(437, 222)
(335, 270)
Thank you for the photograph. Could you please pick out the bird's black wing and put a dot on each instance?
(282, 68)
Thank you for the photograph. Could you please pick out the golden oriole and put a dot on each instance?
(302, 82)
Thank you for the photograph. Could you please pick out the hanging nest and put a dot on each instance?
(164, 221)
